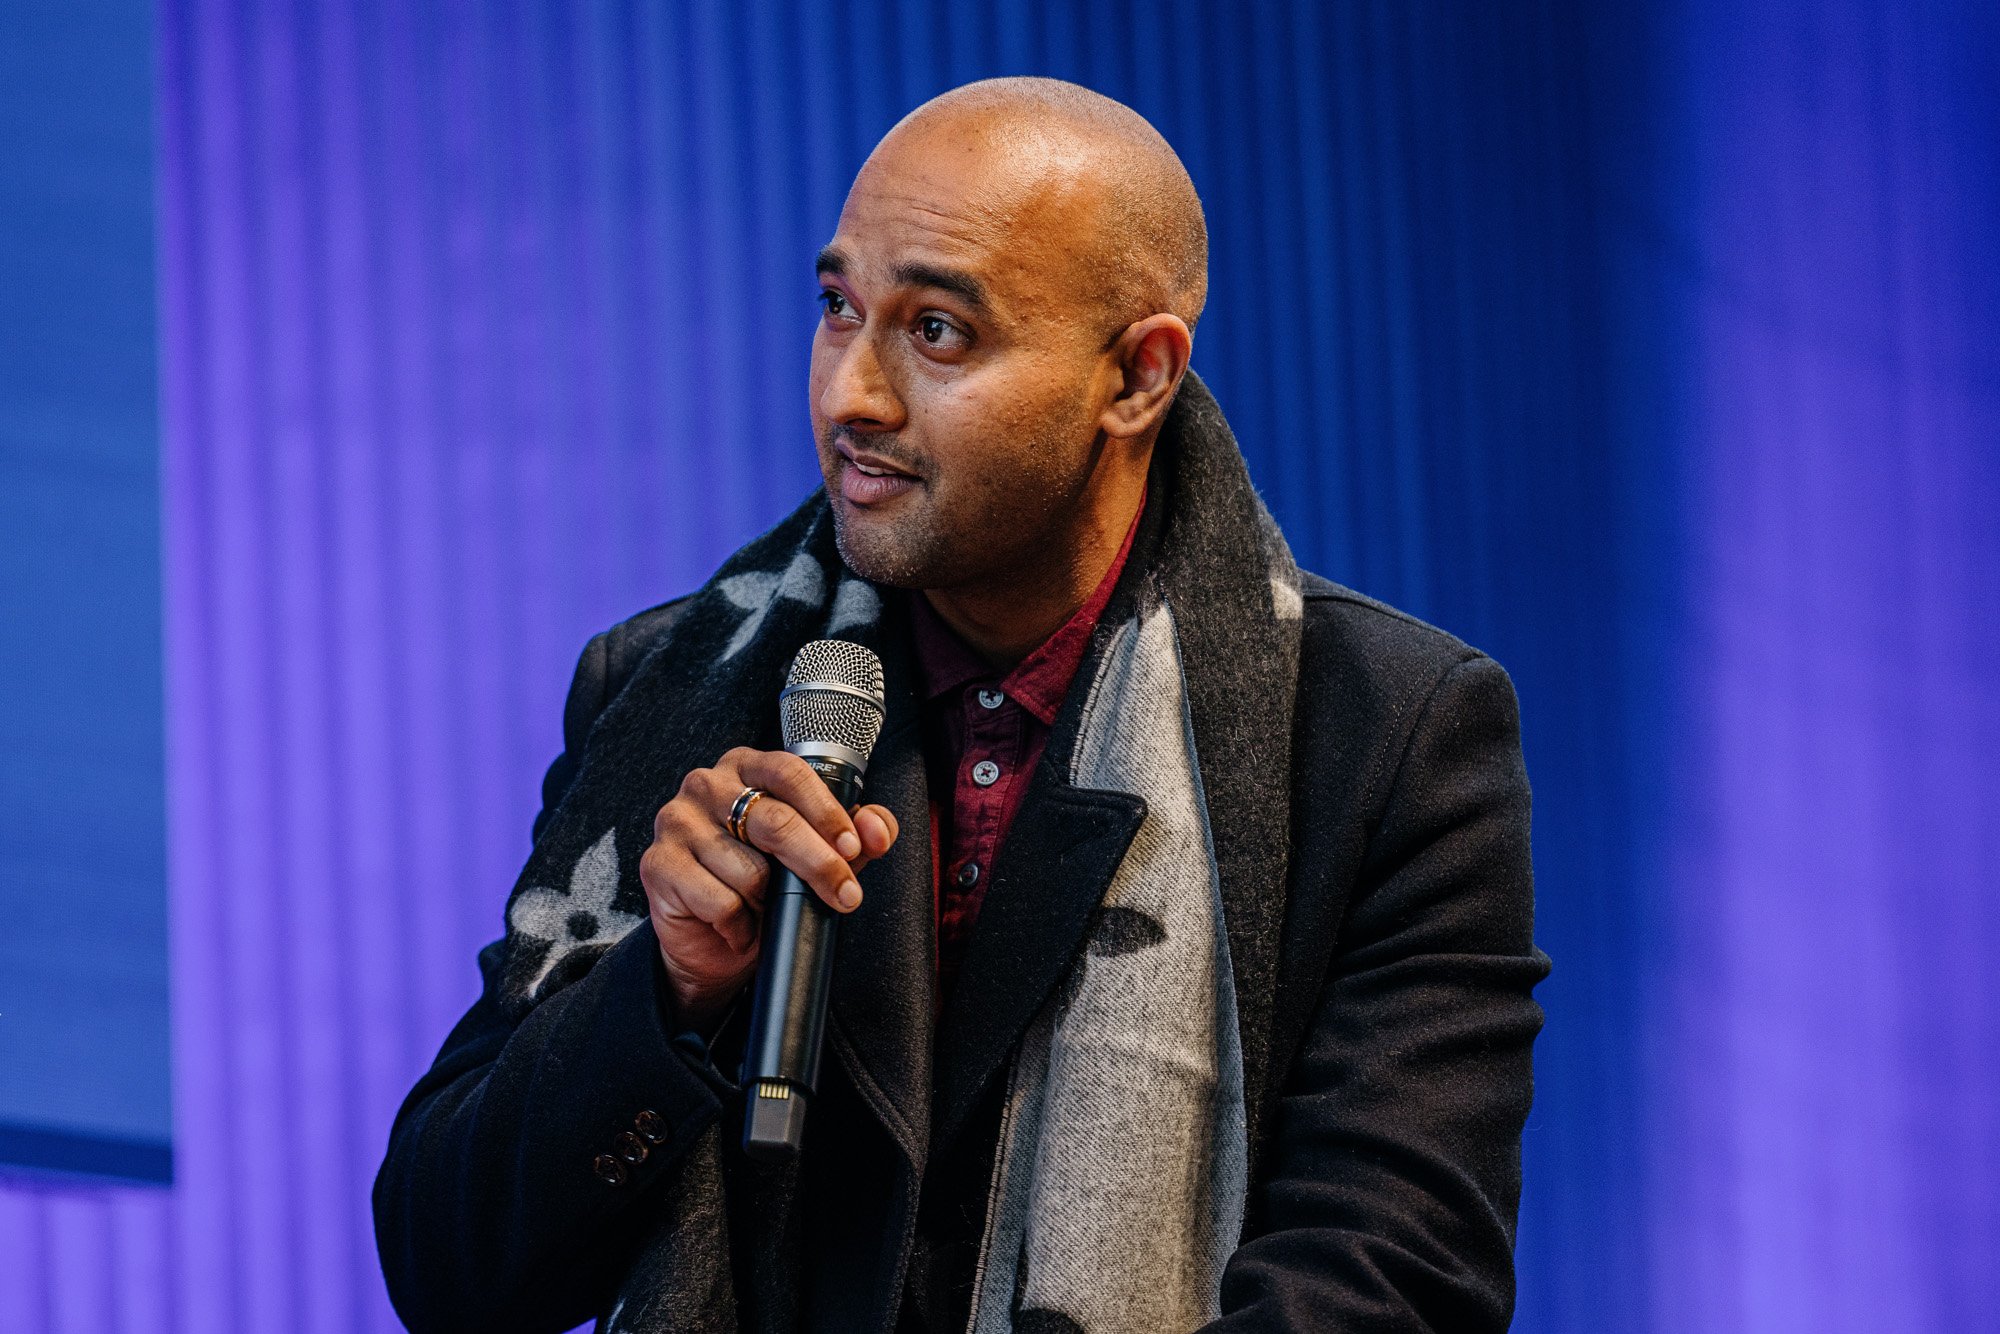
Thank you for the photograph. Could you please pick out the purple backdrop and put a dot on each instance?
(1655, 352)
(1825, 1033)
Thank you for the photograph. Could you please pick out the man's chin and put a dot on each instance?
(872, 549)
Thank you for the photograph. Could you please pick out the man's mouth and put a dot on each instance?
(868, 480)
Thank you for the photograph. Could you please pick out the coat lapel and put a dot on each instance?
(1049, 877)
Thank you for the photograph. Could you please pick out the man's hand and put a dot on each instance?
(705, 889)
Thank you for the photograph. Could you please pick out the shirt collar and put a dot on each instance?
(1039, 681)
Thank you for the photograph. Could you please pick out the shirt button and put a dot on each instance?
(986, 773)
(968, 875)
(991, 699)
(608, 1169)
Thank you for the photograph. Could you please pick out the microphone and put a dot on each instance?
(831, 712)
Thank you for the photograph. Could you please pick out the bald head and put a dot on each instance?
(1007, 304)
(1132, 221)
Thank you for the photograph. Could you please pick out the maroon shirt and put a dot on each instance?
(983, 735)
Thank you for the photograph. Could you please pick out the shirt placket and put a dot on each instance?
(987, 769)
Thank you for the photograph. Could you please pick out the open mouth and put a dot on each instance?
(866, 480)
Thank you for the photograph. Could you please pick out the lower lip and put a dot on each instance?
(858, 488)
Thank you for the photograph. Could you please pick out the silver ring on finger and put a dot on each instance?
(739, 814)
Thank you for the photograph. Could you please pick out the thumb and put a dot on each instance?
(877, 830)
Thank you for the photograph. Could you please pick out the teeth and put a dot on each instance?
(871, 472)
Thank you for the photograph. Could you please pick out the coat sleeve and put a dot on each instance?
(1389, 1194)
(490, 1212)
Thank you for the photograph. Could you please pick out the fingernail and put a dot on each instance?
(847, 845)
(850, 895)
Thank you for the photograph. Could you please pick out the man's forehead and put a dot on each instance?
(872, 230)
(1010, 234)
(933, 195)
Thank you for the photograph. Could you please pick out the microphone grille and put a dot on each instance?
(833, 694)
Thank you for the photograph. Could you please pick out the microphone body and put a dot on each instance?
(788, 1008)
(831, 710)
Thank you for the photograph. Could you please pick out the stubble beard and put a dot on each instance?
(904, 559)
(999, 534)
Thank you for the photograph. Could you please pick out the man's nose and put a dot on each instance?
(858, 392)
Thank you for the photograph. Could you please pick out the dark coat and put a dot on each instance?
(1385, 1150)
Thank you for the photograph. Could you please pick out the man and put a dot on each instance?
(1185, 967)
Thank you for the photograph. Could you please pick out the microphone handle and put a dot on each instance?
(788, 1007)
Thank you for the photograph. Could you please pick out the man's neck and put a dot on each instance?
(1005, 619)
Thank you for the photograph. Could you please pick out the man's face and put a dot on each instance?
(958, 367)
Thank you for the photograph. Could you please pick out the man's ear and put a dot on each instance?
(1151, 356)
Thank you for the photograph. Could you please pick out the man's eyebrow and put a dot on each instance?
(956, 281)
(914, 273)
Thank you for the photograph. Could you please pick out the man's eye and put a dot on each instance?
(833, 302)
(938, 331)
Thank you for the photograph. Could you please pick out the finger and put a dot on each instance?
(686, 890)
(877, 828)
(794, 782)
(743, 869)
(778, 829)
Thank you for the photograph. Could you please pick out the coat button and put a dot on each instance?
(652, 1127)
(609, 1170)
(630, 1147)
